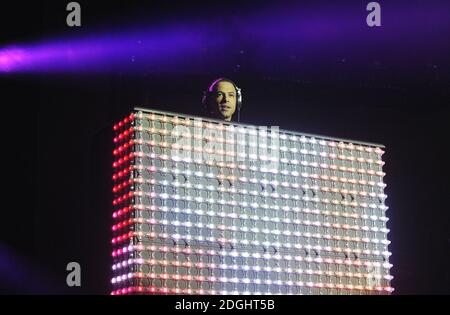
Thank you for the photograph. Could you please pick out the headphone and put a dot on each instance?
(208, 92)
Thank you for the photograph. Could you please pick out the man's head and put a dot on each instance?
(222, 98)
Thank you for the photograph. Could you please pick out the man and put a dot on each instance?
(222, 99)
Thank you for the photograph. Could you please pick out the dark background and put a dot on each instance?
(57, 134)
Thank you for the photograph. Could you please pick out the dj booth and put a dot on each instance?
(203, 206)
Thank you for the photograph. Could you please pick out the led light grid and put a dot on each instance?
(209, 207)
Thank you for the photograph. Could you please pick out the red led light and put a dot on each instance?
(124, 159)
(123, 224)
(124, 134)
(123, 198)
(123, 185)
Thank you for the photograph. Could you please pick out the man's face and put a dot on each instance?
(223, 99)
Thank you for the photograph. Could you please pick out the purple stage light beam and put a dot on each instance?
(268, 35)
(165, 49)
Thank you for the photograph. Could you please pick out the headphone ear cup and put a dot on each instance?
(239, 99)
(204, 100)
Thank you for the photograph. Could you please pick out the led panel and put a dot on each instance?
(204, 206)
